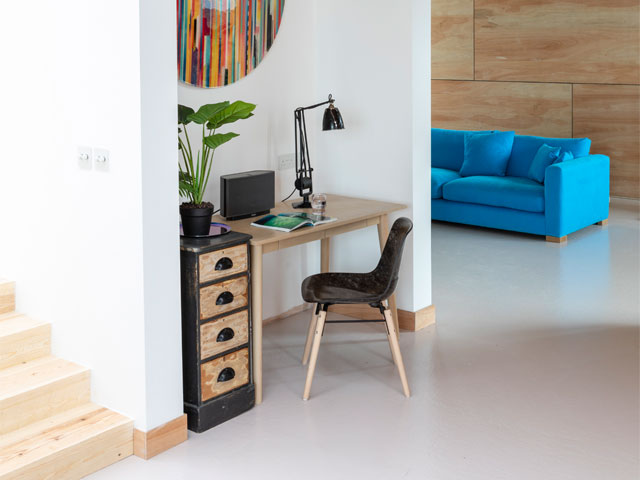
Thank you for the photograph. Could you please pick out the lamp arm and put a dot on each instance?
(314, 106)
(301, 109)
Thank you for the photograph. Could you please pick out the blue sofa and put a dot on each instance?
(575, 192)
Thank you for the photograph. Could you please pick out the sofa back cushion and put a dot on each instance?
(447, 148)
(486, 153)
(525, 148)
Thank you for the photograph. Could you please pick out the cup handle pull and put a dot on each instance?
(225, 335)
(226, 374)
(225, 263)
(224, 298)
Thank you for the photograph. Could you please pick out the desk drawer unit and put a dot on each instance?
(216, 329)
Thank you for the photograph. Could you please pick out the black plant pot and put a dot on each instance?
(196, 222)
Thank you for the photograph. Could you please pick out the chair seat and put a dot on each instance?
(343, 288)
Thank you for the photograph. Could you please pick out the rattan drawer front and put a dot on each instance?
(223, 297)
(224, 374)
(223, 263)
(224, 334)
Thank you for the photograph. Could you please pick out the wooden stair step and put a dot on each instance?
(7, 296)
(66, 446)
(40, 388)
(22, 339)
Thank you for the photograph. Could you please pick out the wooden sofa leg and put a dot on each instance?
(603, 223)
(556, 239)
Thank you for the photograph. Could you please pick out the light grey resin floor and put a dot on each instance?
(530, 373)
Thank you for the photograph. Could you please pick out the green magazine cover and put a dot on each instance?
(288, 222)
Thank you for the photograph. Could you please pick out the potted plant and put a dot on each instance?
(194, 171)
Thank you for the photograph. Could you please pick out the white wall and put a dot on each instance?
(160, 244)
(73, 239)
(374, 59)
(284, 80)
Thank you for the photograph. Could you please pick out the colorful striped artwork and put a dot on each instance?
(221, 41)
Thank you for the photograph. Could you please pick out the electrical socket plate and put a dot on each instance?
(286, 161)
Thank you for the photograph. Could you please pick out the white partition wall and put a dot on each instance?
(373, 56)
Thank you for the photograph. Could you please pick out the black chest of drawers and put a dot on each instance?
(216, 329)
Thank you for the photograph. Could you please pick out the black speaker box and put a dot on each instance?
(247, 194)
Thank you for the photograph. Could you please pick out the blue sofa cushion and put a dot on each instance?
(447, 148)
(486, 153)
(525, 148)
(440, 176)
(509, 192)
(564, 156)
(545, 156)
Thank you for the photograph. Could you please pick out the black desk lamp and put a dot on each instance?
(332, 120)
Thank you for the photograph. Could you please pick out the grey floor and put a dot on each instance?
(531, 372)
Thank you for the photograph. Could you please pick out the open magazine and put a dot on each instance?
(288, 222)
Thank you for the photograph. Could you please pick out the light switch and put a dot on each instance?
(85, 159)
(101, 159)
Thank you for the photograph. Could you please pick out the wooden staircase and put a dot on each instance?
(49, 429)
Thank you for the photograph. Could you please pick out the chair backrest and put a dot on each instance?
(386, 272)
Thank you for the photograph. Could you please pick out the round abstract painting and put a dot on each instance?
(221, 41)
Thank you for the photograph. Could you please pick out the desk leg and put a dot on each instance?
(383, 233)
(325, 254)
(256, 311)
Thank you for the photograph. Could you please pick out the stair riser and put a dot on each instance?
(7, 297)
(24, 346)
(81, 459)
(44, 401)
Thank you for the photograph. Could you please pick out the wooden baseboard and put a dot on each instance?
(288, 313)
(149, 444)
(412, 321)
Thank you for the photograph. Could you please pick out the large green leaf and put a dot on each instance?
(207, 112)
(214, 141)
(236, 111)
(183, 114)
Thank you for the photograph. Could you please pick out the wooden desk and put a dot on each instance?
(352, 214)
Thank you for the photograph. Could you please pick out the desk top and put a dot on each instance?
(347, 210)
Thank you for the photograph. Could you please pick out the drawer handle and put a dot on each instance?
(224, 263)
(225, 335)
(226, 375)
(224, 298)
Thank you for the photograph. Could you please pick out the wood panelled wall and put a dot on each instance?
(555, 68)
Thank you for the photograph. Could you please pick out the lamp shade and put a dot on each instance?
(332, 120)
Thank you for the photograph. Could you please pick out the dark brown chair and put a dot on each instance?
(373, 288)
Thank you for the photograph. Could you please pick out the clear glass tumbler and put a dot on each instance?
(319, 203)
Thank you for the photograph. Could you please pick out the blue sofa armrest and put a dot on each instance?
(576, 194)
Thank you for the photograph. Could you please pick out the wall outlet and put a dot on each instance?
(286, 161)
(85, 158)
(101, 159)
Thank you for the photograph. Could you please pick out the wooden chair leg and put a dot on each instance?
(393, 353)
(314, 353)
(395, 347)
(312, 326)
(603, 223)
